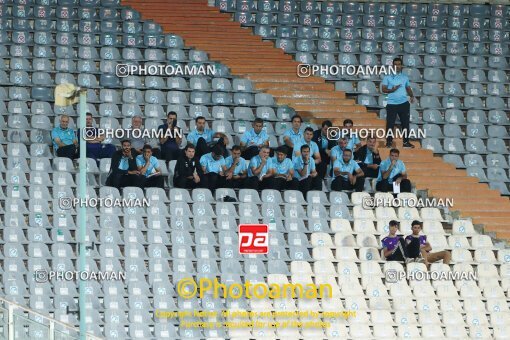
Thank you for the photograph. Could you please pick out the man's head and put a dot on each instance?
(308, 134)
(258, 125)
(347, 155)
(126, 146)
(397, 62)
(371, 142)
(281, 154)
(136, 122)
(296, 122)
(89, 121)
(64, 121)
(325, 126)
(342, 143)
(200, 123)
(394, 154)
(305, 151)
(217, 152)
(416, 227)
(236, 151)
(394, 225)
(171, 118)
(189, 151)
(264, 152)
(348, 123)
(147, 150)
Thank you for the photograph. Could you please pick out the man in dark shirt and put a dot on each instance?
(418, 247)
(123, 169)
(393, 244)
(171, 138)
(187, 170)
(320, 136)
(368, 158)
(95, 147)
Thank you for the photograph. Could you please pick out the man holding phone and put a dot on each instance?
(397, 87)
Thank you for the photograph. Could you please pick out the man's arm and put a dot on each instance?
(143, 168)
(256, 171)
(317, 157)
(393, 89)
(304, 170)
(387, 252)
(59, 142)
(386, 174)
(288, 142)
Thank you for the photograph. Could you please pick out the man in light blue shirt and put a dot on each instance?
(348, 174)
(148, 165)
(214, 168)
(252, 140)
(64, 139)
(237, 168)
(203, 138)
(337, 150)
(314, 152)
(284, 171)
(397, 87)
(304, 170)
(293, 135)
(392, 170)
(260, 171)
(353, 142)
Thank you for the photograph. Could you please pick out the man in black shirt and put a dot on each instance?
(368, 158)
(123, 169)
(171, 138)
(320, 136)
(187, 170)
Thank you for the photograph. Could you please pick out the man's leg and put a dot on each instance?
(250, 152)
(316, 183)
(115, 180)
(252, 183)
(383, 186)
(404, 113)
(391, 115)
(180, 182)
(292, 185)
(440, 255)
(360, 183)
(94, 151)
(155, 182)
(212, 181)
(106, 150)
(267, 183)
(405, 185)
(305, 185)
(68, 151)
(279, 184)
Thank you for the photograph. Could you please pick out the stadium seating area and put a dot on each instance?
(322, 238)
(455, 56)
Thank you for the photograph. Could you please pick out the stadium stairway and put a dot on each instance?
(274, 72)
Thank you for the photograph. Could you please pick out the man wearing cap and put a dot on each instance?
(393, 244)
(417, 246)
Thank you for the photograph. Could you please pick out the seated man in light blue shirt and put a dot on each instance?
(348, 174)
(64, 139)
(284, 171)
(337, 151)
(397, 87)
(237, 168)
(214, 169)
(252, 140)
(260, 171)
(293, 135)
(353, 142)
(392, 170)
(314, 152)
(304, 170)
(203, 138)
(148, 165)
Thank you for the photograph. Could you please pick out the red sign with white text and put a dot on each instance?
(253, 238)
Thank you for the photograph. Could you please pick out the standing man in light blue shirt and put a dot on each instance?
(260, 171)
(392, 170)
(252, 140)
(148, 165)
(348, 174)
(293, 135)
(397, 87)
(65, 143)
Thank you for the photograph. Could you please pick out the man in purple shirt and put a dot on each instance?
(393, 244)
(417, 246)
